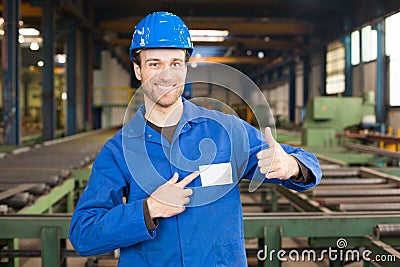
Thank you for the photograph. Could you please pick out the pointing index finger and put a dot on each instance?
(188, 179)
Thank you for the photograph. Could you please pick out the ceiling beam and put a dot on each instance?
(28, 11)
(229, 8)
(266, 28)
(254, 44)
(237, 42)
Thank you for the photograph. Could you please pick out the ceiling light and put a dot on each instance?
(34, 46)
(260, 54)
(64, 96)
(40, 63)
(28, 39)
(248, 52)
(222, 33)
(208, 35)
(207, 39)
(198, 55)
(21, 39)
(61, 58)
(29, 32)
(1, 32)
(267, 39)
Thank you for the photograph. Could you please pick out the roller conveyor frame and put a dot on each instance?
(55, 170)
(15, 190)
(328, 196)
(34, 188)
(269, 228)
(322, 229)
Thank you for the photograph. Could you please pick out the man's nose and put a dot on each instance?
(165, 74)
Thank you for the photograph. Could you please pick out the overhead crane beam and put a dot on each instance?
(279, 28)
(226, 9)
(245, 43)
(27, 10)
(245, 28)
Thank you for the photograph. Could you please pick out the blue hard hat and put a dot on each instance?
(161, 30)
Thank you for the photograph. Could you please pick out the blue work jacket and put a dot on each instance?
(138, 159)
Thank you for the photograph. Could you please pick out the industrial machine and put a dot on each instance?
(328, 116)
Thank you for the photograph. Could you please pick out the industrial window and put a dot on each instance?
(335, 79)
(369, 45)
(355, 48)
(392, 44)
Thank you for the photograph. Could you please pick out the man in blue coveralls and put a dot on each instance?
(178, 166)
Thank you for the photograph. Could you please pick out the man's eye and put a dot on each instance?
(176, 64)
(154, 64)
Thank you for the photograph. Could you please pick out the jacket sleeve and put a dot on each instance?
(101, 221)
(256, 142)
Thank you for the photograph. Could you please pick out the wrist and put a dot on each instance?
(151, 224)
(150, 206)
(296, 168)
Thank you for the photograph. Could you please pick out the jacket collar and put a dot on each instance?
(136, 127)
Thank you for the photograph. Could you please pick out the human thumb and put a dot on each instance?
(268, 136)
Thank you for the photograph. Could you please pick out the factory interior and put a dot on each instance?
(328, 69)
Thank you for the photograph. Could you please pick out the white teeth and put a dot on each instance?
(165, 87)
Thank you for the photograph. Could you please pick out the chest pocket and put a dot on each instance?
(215, 169)
(213, 158)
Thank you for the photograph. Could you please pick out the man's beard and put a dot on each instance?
(159, 100)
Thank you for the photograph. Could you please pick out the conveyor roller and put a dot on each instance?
(18, 201)
(392, 230)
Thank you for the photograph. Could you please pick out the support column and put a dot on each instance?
(89, 99)
(48, 101)
(347, 67)
(90, 55)
(50, 238)
(10, 65)
(292, 91)
(306, 80)
(25, 85)
(273, 241)
(71, 77)
(85, 76)
(348, 71)
(380, 75)
(323, 72)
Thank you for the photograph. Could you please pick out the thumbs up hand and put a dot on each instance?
(274, 162)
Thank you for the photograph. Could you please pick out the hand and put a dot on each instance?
(169, 199)
(274, 162)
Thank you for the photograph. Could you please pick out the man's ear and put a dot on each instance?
(138, 73)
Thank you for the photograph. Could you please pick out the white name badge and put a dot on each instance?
(216, 174)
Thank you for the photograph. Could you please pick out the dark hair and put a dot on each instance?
(136, 56)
